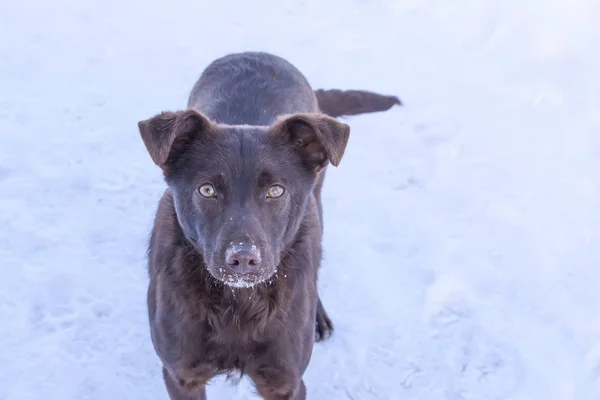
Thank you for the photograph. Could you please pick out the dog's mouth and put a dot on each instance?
(237, 280)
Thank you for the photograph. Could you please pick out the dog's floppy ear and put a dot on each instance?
(169, 130)
(317, 138)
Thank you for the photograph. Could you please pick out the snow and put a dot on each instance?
(461, 230)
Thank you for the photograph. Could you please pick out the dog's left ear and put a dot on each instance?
(317, 138)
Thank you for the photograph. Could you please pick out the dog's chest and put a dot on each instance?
(227, 336)
(230, 348)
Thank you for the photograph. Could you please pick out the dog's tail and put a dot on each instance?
(337, 103)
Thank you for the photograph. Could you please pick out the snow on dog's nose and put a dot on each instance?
(243, 258)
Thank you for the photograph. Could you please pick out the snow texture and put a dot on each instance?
(461, 231)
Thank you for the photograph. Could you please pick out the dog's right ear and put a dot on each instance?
(166, 134)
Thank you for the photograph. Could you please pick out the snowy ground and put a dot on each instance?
(462, 240)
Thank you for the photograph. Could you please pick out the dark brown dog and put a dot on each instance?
(236, 245)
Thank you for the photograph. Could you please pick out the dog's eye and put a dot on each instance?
(207, 190)
(275, 191)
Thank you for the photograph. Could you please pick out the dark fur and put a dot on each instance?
(200, 326)
(337, 103)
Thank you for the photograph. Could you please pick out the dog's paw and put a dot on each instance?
(323, 325)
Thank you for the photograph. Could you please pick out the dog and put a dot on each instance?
(235, 248)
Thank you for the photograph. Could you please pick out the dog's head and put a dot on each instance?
(240, 192)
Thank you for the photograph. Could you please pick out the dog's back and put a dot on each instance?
(251, 88)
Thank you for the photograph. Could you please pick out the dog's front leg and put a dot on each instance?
(184, 389)
(278, 384)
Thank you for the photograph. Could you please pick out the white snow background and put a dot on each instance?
(462, 241)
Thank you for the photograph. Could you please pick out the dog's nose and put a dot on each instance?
(243, 258)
